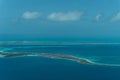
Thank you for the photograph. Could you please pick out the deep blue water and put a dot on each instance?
(38, 68)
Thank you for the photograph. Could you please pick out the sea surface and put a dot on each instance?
(40, 68)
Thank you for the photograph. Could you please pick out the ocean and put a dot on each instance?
(41, 68)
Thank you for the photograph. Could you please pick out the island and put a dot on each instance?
(46, 55)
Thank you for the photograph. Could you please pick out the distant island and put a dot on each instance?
(53, 56)
(52, 43)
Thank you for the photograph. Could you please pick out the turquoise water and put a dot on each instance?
(39, 68)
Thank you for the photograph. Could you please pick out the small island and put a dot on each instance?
(46, 55)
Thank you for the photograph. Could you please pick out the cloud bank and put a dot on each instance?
(98, 17)
(116, 17)
(31, 15)
(69, 16)
(64, 16)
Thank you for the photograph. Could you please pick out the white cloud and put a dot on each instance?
(31, 15)
(116, 17)
(98, 17)
(69, 16)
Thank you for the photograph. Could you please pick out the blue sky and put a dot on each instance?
(78, 20)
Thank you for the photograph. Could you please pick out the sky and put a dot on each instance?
(66, 20)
